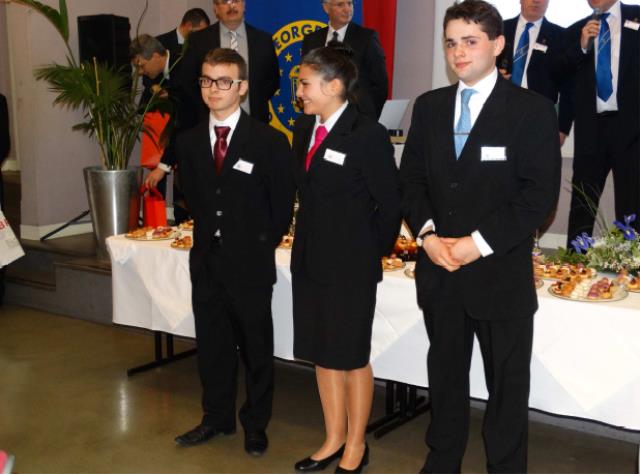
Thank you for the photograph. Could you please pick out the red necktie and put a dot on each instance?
(220, 148)
(321, 134)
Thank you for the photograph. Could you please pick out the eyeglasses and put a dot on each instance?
(222, 83)
(228, 2)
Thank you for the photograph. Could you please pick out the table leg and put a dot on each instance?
(160, 360)
(402, 405)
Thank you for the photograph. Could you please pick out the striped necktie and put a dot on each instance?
(463, 127)
(233, 40)
(604, 78)
(520, 56)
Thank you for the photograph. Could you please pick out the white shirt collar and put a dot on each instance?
(331, 121)
(484, 86)
(341, 32)
(240, 31)
(231, 121)
(615, 12)
(522, 21)
(180, 37)
(166, 65)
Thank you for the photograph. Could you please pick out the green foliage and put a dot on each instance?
(59, 19)
(563, 255)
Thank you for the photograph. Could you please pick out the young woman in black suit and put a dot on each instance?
(349, 217)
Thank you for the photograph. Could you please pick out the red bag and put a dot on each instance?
(153, 208)
(152, 148)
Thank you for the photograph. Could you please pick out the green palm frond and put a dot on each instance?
(58, 18)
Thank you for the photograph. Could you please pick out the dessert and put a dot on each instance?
(286, 242)
(392, 263)
(184, 243)
(186, 225)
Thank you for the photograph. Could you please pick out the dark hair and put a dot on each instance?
(195, 16)
(334, 62)
(476, 11)
(145, 45)
(227, 56)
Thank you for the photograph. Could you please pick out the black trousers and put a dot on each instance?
(234, 321)
(590, 173)
(506, 352)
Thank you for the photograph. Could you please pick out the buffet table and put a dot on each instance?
(586, 356)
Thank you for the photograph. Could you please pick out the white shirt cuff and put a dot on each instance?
(164, 167)
(483, 246)
(429, 224)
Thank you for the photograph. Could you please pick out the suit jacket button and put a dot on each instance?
(450, 213)
(453, 185)
(218, 191)
(218, 213)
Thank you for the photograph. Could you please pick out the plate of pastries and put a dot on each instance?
(286, 242)
(151, 233)
(405, 248)
(186, 225)
(392, 263)
(590, 289)
(560, 271)
(537, 282)
(629, 281)
(182, 243)
(410, 271)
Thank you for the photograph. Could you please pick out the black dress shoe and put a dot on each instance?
(363, 462)
(200, 434)
(311, 465)
(255, 442)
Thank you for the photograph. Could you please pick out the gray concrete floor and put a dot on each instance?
(67, 406)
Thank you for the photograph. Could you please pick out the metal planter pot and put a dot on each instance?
(114, 201)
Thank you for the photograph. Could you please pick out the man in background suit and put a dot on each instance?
(373, 84)
(603, 57)
(5, 146)
(237, 177)
(480, 172)
(535, 68)
(255, 46)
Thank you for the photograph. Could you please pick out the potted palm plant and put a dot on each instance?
(108, 99)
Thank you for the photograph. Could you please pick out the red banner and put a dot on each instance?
(380, 15)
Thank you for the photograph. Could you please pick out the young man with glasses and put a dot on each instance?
(255, 46)
(237, 179)
(373, 83)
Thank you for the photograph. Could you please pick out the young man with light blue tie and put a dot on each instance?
(603, 55)
(480, 173)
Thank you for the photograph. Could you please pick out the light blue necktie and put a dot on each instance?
(604, 78)
(463, 127)
(520, 56)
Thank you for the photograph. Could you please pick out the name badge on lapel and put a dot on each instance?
(494, 153)
(334, 156)
(540, 47)
(244, 166)
(634, 25)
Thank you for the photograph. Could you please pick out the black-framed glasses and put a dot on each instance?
(222, 83)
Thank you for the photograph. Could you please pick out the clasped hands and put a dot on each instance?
(451, 253)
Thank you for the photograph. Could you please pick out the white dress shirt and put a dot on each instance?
(534, 31)
(328, 124)
(615, 26)
(231, 121)
(341, 33)
(243, 50)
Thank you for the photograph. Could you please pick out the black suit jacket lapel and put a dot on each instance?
(240, 136)
(336, 136)
(202, 149)
(445, 125)
(510, 37)
(629, 51)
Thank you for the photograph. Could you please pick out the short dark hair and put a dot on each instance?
(227, 56)
(145, 45)
(479, 12)
(195, 16)
(334, 61)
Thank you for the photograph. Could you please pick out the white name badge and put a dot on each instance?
(540, 47)
(494, 153)
(634, 25)
(244, 166)
(334, 156)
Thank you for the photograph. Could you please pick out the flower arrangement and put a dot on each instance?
(617, 249)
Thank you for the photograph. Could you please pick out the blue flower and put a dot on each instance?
(628, 232)
(582, 243)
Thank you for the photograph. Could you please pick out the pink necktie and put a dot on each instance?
(321, 134)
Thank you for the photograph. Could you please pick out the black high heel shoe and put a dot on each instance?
(363, 462)
(311, 465)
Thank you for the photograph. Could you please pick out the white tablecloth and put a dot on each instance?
(586, 356)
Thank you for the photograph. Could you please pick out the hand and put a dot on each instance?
(154, 178)
(463, 249)
(505, 74)
(563, 137)
(439, 253)
(590, 30)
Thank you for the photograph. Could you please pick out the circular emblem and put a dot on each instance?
(288, 43)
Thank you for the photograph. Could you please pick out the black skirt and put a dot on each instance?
(332, 323)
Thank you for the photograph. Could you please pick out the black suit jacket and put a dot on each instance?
(255, 208)
(170, 41)
(373, 83)
(543, 75)
(581, 66)
(506, 201)
(349, 215)
(5, 136)
(264, 72)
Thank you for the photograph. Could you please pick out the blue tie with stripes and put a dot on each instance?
(463, 127)
(604, 78)
(520, 56)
